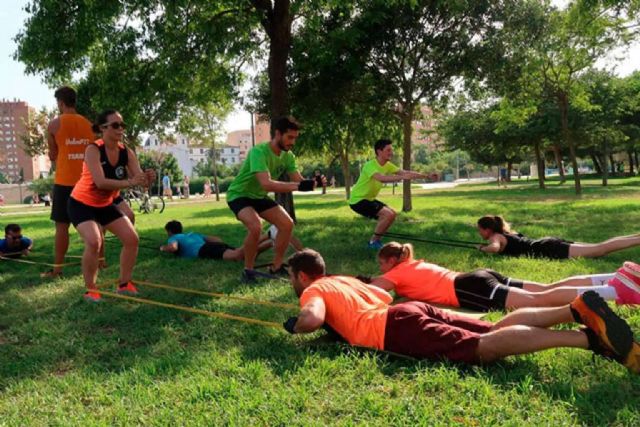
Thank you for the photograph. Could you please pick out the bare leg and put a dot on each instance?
(126, 211)
(281, 219)
(521, 339)
(386, 216)
(551, 298)
(92, 237)
(573, 281)
(249, 217)
(593, 250)
(238, 253)
(541, 317)
(123, 229)
(61, 245)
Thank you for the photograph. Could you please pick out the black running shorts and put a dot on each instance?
(60, 200)
(368, 208)
(483, 290)
(79, 213)
(259, 205)
(551, 247)
(213, 250)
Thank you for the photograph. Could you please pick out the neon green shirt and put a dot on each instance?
(261, 158)
(367, 187)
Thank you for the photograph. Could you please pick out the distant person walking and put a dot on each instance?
(185, 187)
(207, 188)
(166, 186)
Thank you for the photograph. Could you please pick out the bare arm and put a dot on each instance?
(170, 247)
(493, 246)
(53, 127)
(387, 178)
(411, 174)
(268, 184)
(92, 159)
(311, 317)
(382, 283)
(296, 176)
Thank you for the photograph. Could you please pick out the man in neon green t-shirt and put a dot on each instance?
(247, 194)
(363, 195)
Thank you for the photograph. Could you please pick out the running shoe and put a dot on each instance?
(127, 289)
(625, 289)
(594, 312)
(375, 245)
(597, 347)
(92, 297)
(248, 276)
(280, 272)
(632, 361)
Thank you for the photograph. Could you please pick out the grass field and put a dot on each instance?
(64, 362)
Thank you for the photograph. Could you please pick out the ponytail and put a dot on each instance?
(402, 252)
(495, 223)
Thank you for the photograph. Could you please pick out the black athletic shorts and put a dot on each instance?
(483, 290)
(79, 213)
(118, 200)
(368, 208)
(61, 194)
(259, 205)
(551, 247)
(213, 250)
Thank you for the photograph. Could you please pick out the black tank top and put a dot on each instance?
(517, 245)
(119, 171)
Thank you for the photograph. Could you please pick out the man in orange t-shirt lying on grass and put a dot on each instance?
(361, 314)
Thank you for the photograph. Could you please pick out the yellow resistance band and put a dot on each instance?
(24, 261)
(216, 295)
(190, 309)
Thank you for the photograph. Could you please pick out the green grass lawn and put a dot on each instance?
(64, 362)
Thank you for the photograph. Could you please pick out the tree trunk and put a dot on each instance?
(612, 162)
(277, 24)
(214, 167)
(596, 163)
(346, 172)
(509, 168)
(605, 169)
(563, 100)
(630, 155)
(540, 165)
(635, 154)
(407, 129)
(558, 157)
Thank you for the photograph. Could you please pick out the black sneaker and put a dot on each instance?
(280, 272)
(599, 348)
(248, 276)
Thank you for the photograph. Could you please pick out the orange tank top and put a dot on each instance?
(86, 191)
(72, 139)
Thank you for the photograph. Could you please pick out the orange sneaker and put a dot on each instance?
(632, 361)
(594, 312)
(92, 297)
(127, 289)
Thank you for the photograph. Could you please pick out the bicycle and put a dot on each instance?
(145, 203)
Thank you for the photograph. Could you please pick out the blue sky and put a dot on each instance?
(14, 83)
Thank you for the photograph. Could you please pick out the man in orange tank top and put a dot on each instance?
(362, 315)
(67, 136)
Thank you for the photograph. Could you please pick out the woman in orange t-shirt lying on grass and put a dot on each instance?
(486, 290)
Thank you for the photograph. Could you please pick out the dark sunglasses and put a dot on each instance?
(15, 237)
(114, 125)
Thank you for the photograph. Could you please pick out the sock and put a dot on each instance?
(601, 279)
(606, 292)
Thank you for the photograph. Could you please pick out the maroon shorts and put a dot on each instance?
(420, 330)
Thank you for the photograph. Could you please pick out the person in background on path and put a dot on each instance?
(166, 186)
(333, 181)
(68, 135)
(207, 188)
(185, 187)
(321, 181)
(14, 244)
(374, 174)
(47, 199)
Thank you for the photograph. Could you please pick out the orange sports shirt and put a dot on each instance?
(421, 281)
(72, 139)
(358, 312)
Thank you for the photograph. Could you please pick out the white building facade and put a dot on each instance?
(178, 149)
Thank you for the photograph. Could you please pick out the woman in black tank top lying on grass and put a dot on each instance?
(502, 240)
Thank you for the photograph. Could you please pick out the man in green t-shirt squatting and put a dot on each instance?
(247, 194)
(363, 195)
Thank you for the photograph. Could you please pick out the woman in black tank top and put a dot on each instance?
(503, 240)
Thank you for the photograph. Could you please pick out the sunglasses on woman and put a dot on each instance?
(114, 125)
